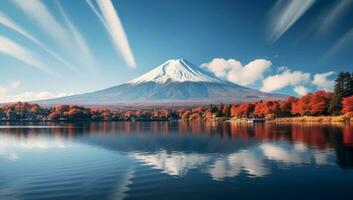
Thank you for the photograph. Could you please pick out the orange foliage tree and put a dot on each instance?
(347, 104)
(319, 102)
(286, 106)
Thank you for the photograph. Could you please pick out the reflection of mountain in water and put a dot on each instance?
(124, 160)
(149, 138)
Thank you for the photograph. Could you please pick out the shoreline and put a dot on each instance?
(302, 119)
(308, 119)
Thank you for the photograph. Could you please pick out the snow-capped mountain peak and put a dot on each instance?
(176, 70)
(174, 82)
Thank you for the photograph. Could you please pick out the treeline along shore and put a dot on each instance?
(319, 106)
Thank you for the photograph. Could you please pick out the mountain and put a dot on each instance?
(176, 81)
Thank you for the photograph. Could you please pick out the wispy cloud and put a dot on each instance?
(96, 12)
(334, 14)
(8, 22)
(79, 39)
(15, 50)
(340, 44)
(38, 11)
(284, 14)
(116, 31)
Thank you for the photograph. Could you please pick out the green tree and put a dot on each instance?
(228, 110)
(343, 88)
(214, 109)
(219, 112)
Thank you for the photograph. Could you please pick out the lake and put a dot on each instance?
(175, 160)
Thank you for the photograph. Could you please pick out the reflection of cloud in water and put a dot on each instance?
(288, 155)
(175, 164)
(252, 161)
(322, 157)
(296, 154)
(233, 164)
(10, 145)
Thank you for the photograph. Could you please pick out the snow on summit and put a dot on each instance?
(177, 81)
(176, 70)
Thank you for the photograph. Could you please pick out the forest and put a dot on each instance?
(336, 105)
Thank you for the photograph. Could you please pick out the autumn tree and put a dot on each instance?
(233, 110)
(186, 115)
(208, 115)
(62, 108)
(347, 104)
(343, 88)
(302, 105)
(245, 110)
(54, 115)
(285, 106)
(319, 102)
(267, 107)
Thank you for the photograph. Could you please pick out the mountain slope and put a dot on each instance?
(176, 81)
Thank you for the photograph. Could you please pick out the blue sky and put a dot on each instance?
(290, 47)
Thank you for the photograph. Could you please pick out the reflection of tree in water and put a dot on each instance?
(343, 144)
(320, 136)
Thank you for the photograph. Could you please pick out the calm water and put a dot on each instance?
(175, 160)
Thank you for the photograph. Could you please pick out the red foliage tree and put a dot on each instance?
(286, 106)
(233, 110)
(302, 106)
(186, 115)
(208, 115)
(347, 104)
(54, 115)
(245, 110)
(267, 107)
(319, 102)
(62, 108)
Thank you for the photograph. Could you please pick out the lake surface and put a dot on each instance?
(175, 160)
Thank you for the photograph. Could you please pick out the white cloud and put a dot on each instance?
(15, 50)
(94, 9)
(334, 14)
(79, 39)
(284, 14)
(300, 90)
(116, 31)
(321, 81)
(285, 78)
(234, 71)
(7, 21)
(38, 11)
(345, 41)
(7, 90)
(31, 96)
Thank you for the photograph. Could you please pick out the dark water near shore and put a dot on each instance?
(175, 160)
